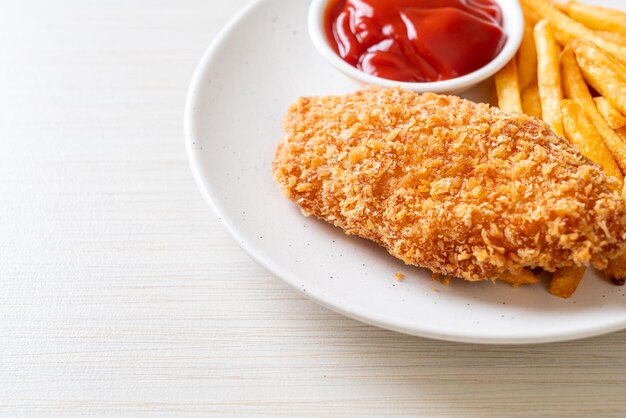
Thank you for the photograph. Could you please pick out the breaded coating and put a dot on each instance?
(461, 188)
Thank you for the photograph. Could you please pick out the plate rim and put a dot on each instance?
(382, 321)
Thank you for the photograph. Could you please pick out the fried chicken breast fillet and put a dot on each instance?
(460, 188)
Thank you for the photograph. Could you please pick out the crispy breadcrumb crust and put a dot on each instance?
(461, 188)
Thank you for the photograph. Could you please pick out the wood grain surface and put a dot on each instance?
(121, 294)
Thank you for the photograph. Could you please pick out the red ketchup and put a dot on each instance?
(415, 40)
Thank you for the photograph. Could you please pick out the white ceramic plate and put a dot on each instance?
(260, 64)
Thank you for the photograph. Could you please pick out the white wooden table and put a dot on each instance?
(121, 294)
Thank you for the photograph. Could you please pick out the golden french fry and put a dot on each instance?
(617, 65)
(575, 88)
(616, 271)
(530, 16)
(493, 99)
(601, 73)
(565, 281)
(596, 17)
(581, 132)
(519, 279)
(531, 102)
(621, 132)
(610, 113)
(507, 88)
(558, 4)
(616, 37)
(616, 49)
(566, 29)
(527, 58)
(548, 76)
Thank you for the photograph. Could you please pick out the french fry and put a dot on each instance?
(527, 58)
(621, 132)
(596, 17)
(507, 88)
(618, 65)
(566, 29)
(519, 279)
(601, 72)
(530, 16)
(565, 281)
(548, 76)
(610, 113)
(558, 5)
(581, 132)
(576, 89)
(493, 98)
(616, 271)
(531, 102)
(616, 49)
(619, 38)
